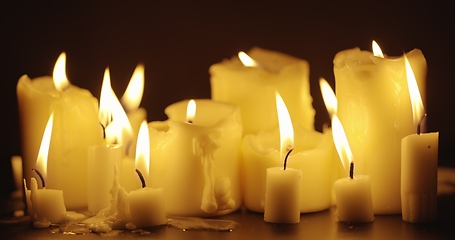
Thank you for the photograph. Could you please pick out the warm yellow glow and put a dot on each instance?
(247, 60)
(41, 161)
(341, 142)
(112, 115)
(59, 74)
(143, 150)
(329, 97)
(416, 100)
(285, 125)
(191, 111)
(376, 49)
(132, 97)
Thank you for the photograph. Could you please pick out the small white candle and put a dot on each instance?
(419, 164)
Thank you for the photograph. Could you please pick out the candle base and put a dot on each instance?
(418, 208)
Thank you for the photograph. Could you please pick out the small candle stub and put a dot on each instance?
(141, 177)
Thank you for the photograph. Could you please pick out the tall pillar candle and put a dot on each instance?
(197, 160)
(253, 88)
(76, 127)
(375, 110)
(312, 155)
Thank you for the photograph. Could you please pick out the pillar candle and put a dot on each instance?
(198, 163)
(312, 155)
(76, 127)
(101, 162)
(419, 163)
(282, 195)
(253, 88)
(374, 108)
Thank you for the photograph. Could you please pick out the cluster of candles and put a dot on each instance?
(253, 144)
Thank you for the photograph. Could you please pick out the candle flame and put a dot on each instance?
(132, 97)
(247, 60)
(142, 162)
(376, 49)
(41, 161)
(112, 115)
(285, 125)
(59, 75)
(329, 97)
(191, 111)
(416, 100)
(341, 143)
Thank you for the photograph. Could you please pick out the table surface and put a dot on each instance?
(318, 225)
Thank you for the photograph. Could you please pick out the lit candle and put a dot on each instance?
(375, 110)
(146, 204)
(197, 163)
(419, 164)
(76, 127)
(131, 101)
(45, 206)
(283, 185)
(117, 131)
(312, 156)
(250, 83)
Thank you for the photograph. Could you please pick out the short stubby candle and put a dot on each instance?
(196, 159)
(375, 110)
(252, 88)
(76, 127)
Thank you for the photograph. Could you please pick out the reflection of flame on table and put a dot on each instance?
(216, 194)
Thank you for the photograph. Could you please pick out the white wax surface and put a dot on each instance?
(147, 207)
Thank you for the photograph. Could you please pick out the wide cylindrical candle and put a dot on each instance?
(312, 155)
(198, 163)
(282, 195)
(253, 88)
(375, 110)
(76, 126)
(419, 177)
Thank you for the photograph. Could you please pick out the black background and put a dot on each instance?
(178, 41)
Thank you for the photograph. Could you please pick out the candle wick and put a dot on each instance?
(40, 176)
(141, 177)
(420, 123)
(351, 170)
(104, 130)
(286, 158)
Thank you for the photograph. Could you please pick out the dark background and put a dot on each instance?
(178, 41)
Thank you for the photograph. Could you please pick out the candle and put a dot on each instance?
(251, 86)
(146, 204)
(16, 166)
(353, 194)
(131, 101)
(117, 131)
(374, 108)
(283, 185)
(75, 128)
(419, 164)
(45, 206)
(197, 163)
(313, 154)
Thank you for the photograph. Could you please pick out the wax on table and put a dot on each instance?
(198, 163)
(76, 127)
(375, 110)
(313, 156)
(282, 195)
(253, 88)
(419, 163)
(101, 162)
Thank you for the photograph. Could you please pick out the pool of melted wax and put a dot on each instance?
(206, 224)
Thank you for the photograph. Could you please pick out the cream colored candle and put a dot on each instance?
(252, 88)
(198, 163)
(375, 110)
(419, 165)
(101, 162)
(131, 101)
(76, 127)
